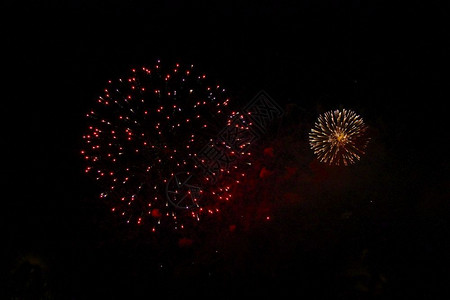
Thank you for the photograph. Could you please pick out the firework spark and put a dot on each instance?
(339, 137)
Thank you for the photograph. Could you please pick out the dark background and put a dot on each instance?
(381, 233)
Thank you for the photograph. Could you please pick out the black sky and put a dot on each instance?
(386, 61)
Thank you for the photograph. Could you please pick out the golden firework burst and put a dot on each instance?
(339, 137)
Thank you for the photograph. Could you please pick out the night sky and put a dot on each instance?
(374, 230)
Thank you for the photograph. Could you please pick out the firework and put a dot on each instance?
(146, 140)
(339, 137)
